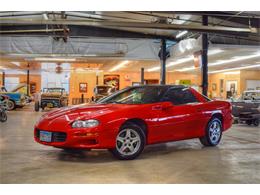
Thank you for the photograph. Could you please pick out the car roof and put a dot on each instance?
(159, 85)
(54, 88)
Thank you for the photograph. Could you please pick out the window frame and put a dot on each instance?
(185, 88)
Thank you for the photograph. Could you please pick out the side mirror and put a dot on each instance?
(166, 105)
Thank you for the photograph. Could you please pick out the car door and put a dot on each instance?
(183, 119)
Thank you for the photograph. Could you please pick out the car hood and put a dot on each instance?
(80, 112)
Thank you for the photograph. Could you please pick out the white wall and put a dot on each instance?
(52, 79)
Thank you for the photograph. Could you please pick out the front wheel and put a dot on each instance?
(213, 133)
(130, 142)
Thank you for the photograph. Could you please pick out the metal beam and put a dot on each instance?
(163, 62)
(205, 58)
(112, 24)
(28, 80)
(80, 31)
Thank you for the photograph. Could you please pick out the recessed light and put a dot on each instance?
(122, 64)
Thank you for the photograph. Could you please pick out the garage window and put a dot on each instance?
(179, 96)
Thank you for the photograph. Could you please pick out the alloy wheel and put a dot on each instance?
(128, 142)
(214, 132)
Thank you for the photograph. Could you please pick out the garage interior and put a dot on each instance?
(216, 53)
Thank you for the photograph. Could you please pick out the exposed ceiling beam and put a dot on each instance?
(107, 24)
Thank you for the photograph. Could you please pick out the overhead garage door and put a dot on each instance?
(252, 84)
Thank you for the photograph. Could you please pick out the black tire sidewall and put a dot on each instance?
(13, 105)
(207, 131)
(141, 133)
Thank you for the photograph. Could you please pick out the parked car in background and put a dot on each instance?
(102, 91)
(22, 88)
(127, 120)
(246, 109)
(51, 98)
(16, 99)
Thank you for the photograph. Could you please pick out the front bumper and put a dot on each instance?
(91, 138)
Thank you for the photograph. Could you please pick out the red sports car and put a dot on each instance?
(127, 120)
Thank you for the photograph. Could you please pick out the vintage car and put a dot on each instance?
(102, 91)
(22, 88)
(51, 98)
(246, 109)
(127, 120)
(16, 99)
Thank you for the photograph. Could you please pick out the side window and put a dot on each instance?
(179, 96)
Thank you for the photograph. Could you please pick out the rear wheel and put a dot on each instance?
(256, 122)
(130, 142)
(213, 133)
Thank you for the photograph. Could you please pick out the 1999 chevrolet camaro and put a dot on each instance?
(128, 120)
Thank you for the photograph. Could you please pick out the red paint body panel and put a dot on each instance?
(171, 124)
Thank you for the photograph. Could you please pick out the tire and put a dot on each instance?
(213, 133)
(130, 142)
(3, 116)
(37, 106)
(11, 105)
(256, 122)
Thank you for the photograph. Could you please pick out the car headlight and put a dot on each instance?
(85, 123)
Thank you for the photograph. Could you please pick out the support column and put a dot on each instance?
(142, 76)
(28, 81)
(205, 58)
(3, 79)
(163, 62)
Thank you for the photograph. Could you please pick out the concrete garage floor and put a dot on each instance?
(235, 160)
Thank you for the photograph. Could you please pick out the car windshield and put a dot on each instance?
(53, 90)
(251, 95)
(135, 95)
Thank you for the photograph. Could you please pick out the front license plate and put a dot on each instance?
(49, 105)
(45, 136)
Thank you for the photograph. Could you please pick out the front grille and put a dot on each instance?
(59, 137)
(56, 136)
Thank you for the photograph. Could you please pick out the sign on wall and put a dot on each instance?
(83, 87)
(112, 80)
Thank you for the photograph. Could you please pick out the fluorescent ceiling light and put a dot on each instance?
(234, 59)
(183, 60)
(16, 63)
(182, 33)
(55, 59)
(122, 64)
(238, 68)
(2, 68)
(232, 72)
(186, 69)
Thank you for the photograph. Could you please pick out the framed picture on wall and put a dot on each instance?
(83, 87)
(112, 80)
(231, 89)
